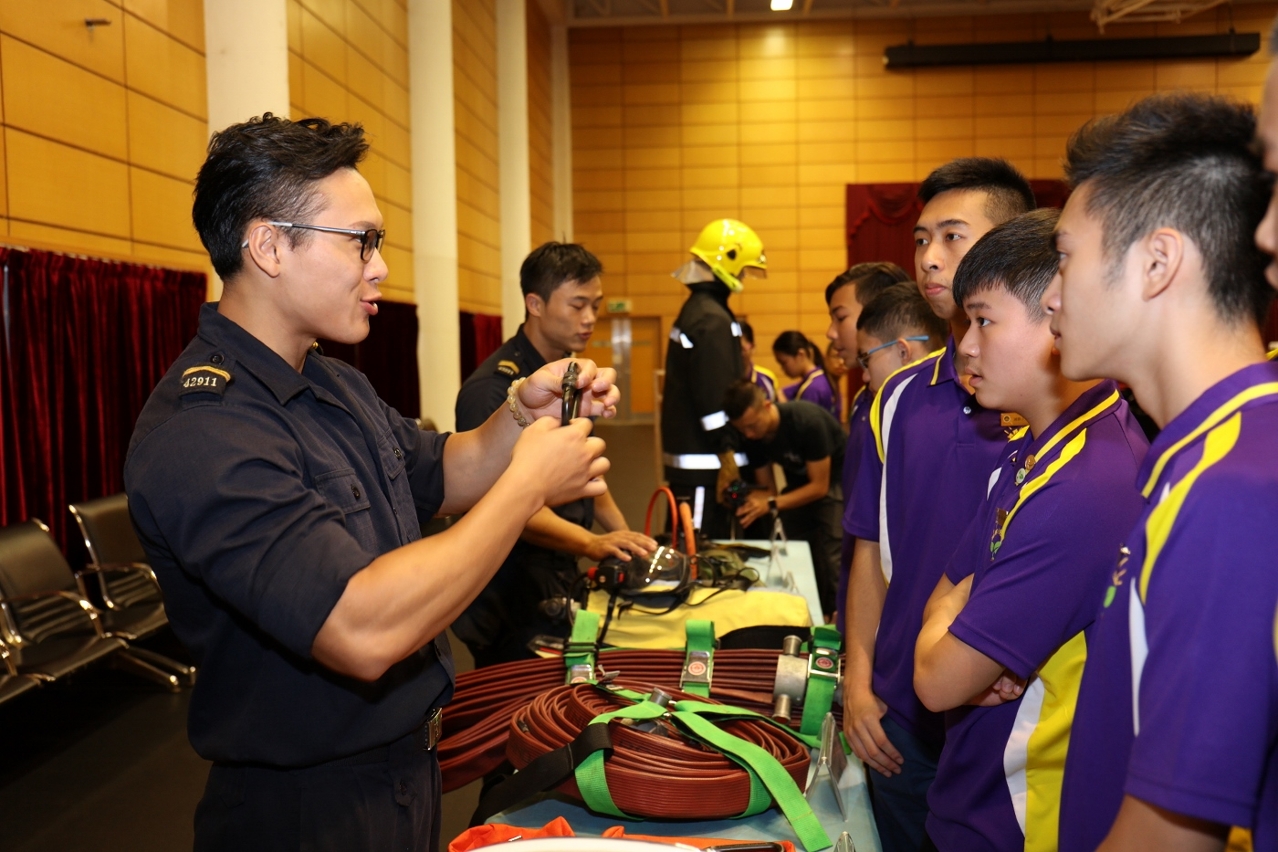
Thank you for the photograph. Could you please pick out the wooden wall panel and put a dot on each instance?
(104, 128)
(58, 28)
(51, 97)
(164, 68)
(541, 158)
(67, 187)
(347, 62)
(676, 126)
(475, 116)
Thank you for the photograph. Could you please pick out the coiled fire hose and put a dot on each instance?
(477, 720)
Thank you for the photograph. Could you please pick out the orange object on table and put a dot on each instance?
(488, 835)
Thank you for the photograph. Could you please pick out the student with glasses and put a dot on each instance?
(280, 501)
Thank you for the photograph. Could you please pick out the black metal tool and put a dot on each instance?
(572, 396)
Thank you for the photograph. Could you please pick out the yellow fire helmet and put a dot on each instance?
(728, 246)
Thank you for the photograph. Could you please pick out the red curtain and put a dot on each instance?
(388, 356)
(86, 342)
(480, 337)
(881, 217)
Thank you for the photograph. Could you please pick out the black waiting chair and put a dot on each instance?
(51, 628)
(133, 607)
(12, 683)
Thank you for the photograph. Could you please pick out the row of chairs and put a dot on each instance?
(50, 624)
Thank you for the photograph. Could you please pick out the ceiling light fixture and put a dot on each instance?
(782, 5)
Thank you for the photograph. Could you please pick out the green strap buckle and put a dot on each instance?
(824, 673)
(698, 663)
(579, 653)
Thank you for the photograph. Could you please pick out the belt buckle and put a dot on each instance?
(432, 730)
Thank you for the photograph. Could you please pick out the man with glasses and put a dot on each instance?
(895, 329)
(279, 502)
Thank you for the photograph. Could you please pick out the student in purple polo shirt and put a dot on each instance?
(845, 297)
(1023, 588)
(800, 359)
(1175, 735)
(920, 483)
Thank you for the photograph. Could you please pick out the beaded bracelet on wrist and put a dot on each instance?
(512, 401)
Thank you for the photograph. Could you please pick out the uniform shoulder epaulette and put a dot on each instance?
(204, 379)
(508, 368)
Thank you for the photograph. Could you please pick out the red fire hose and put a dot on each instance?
(694, 781)
(477, 721)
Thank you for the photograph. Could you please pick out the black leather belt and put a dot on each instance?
(431, 731)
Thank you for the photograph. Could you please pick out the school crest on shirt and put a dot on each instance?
(1116, 580)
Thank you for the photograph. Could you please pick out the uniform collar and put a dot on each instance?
(943, 370)
(1092, 404)
(1255, 382)
(527, 353)
(234, 343)
(715, 289)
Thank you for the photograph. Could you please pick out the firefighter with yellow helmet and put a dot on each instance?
(703, 358)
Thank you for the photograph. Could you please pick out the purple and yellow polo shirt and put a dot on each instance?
(766, 379)
(1036, 587)
(858, 433)
(920, 483)
(818, 389)
(1179, 700)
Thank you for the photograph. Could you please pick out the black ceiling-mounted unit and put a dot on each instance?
(1088, 50)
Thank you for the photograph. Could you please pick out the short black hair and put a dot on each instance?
(1009, 192)
(740, 397)
(747, 331)
(266, 168)
(870, 278)
(552, 264)
(1185, 161)
(1018, 256)
(902, 312)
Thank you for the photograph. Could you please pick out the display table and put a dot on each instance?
(769, 825)
(789, 588)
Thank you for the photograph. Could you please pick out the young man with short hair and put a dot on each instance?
(807, 443)
(562, 295)
(1019, 596)
(895, 330)
(920, 483)
(279, 502)
(845, 297)
(1161, 286)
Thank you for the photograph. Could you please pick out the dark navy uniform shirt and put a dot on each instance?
(258, 492)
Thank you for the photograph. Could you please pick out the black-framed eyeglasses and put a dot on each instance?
(863, 358)
(369, 240)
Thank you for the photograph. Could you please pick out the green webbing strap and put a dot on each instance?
(590, 772)
(698, 661)
(762, 766)
(823, 677)
(769, 780)
(579, 655)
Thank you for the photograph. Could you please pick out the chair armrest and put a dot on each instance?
(9, 667)
(84, 603)
(119, 567)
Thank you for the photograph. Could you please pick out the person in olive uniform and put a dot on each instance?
(703, 357)
(562, 294)
(279, 501)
